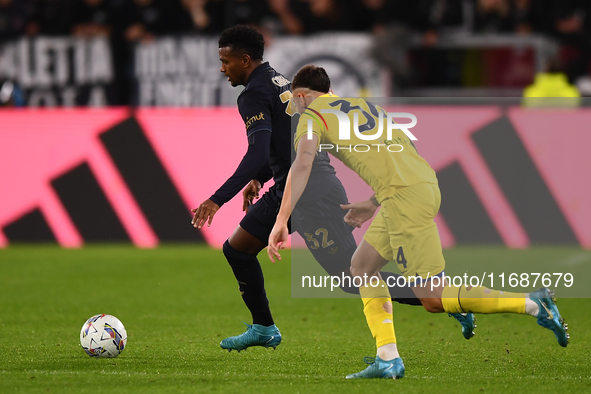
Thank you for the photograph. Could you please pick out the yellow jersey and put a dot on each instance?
(384, 164)
(551, 90)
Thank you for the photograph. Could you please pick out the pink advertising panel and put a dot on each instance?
(198, 149)
(558, 142)
(38, 145)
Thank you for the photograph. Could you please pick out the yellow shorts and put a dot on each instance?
(404, 231)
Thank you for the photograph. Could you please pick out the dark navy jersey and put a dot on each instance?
(322, 177)
(265, 107)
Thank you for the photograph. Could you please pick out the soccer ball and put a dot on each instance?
(103, 336)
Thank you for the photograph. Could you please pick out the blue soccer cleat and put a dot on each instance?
(548, 316)
(380, 369)
(467, 321)
(255, 335)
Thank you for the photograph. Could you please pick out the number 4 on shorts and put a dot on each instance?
(400, 257)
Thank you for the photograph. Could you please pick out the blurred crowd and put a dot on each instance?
(128, 21)
(144, 19)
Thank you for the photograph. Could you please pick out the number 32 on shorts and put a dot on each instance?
(315, 244)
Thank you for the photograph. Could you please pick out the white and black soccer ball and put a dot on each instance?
(103, 336)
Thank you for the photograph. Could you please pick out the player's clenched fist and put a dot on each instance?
(204, 213)
(277, 240)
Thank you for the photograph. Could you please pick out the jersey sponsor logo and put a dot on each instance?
(280, 80)
(249, 121)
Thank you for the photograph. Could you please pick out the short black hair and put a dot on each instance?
(312, 77)
(245, 39)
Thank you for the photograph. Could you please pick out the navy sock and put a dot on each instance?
(251, 282)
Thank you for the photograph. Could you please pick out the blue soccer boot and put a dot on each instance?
(380, 369)
(255, 335)
(467, 321)
(548, 316)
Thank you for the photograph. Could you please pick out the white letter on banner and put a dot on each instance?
(167, 56)
(146, 91)
(344, 123)
(42, 62)
(24, 68)
(101, 66)
(62, 67)
(400, 126)
(98, 97)
(80, 61)
(69, 96)
(8, 64)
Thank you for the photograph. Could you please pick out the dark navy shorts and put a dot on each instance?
(321, 224)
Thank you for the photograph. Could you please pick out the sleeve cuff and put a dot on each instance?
(217, 200)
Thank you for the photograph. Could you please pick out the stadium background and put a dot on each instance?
(115, 121)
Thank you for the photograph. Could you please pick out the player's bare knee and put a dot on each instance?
(357, 271)
(244, 242)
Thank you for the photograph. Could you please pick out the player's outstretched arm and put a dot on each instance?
(256, 158)
(280, 232)
(297, 179)
(360, 212)
(277, 240)
(204, 213)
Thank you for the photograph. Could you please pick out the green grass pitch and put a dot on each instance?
(178, 302)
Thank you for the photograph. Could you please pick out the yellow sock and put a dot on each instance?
(377, 308)
(481, 300)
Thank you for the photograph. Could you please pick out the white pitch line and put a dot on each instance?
(577, 259)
